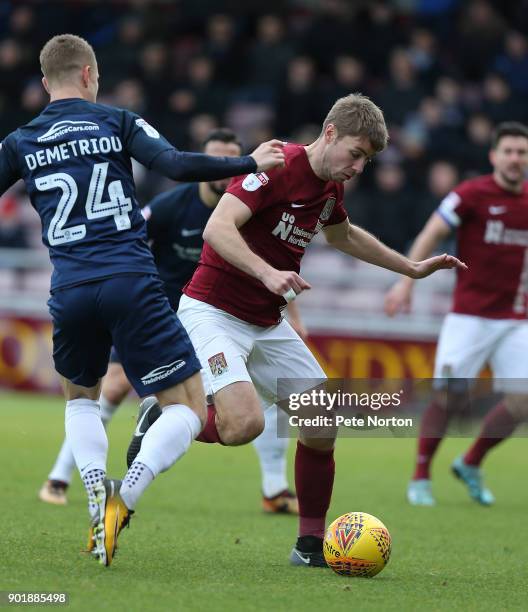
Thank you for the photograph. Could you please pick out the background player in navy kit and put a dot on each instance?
(175, 223)
(488, 320)
(254, 242)
(75, 159)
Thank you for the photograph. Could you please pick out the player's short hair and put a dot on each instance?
(508, 128)
(357, 115)
(222, 135)
(65, 54)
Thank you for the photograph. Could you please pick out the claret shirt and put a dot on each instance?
(289, 205)
(492, 238)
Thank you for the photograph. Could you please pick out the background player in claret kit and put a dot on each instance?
(75, 159)
(254, 242)
(175, 222)
(488, 320)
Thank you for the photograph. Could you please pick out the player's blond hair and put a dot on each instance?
(357, 115)
(63, 55)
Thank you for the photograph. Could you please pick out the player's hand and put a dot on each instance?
(268, 155)
(280, 282)
(424, 268)
(398, 297)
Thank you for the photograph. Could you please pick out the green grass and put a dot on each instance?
(200, 542)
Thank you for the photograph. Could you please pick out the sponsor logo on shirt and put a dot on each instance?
(252, 182)
(147, 128)
(497, 210)
(66, 126)
(162, 372)
(497, 233)
(218, 364)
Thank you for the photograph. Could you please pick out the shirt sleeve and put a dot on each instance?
(9, 173)
(456, 206)
(145, 144)
(339, 213)
(258, 190)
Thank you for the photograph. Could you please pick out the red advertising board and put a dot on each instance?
(26, 364)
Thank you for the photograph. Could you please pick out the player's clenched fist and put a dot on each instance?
(269, 154)
(283, 283)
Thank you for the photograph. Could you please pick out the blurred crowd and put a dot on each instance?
(443, 71)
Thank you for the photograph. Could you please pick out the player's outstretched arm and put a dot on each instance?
(222, 233)
(398, 297)
(360, 244)
(145, 144)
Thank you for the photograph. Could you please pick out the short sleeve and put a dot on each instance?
(258, 190)
(456, 206)
(338, 214)
(9, 172)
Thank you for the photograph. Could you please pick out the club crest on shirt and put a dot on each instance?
(327, 210)
(218, 364)
(252, 182)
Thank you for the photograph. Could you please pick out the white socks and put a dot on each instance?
(164, 443)
(271, 451)
(65, 462)
(86, 435)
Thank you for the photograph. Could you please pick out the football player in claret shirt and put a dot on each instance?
(75, 160)
(175, 223)
(249, 269)
(487, 323)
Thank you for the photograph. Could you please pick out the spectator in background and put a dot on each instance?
(498, 102)
(389, 205)
(402, 94)
(224, 49)
(423, 55)
(441, 179)
(448, 92)
(297, 104)
(269, 55)
(130, 94)
(330, 33)
(512, 63)
(209, 96)
(348, 75)
(480, 33)
(13, 70)
(153, 71)
(472, 155)
(120, 57)
(378, 33)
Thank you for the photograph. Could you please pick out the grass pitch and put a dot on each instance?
(199, 541)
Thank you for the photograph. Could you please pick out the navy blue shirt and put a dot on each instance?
(75, 160)
(175, 222)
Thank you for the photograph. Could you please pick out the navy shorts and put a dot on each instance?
(131, 313)
(174, 300)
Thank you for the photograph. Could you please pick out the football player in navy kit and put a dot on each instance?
(75, 160)
(175, 222)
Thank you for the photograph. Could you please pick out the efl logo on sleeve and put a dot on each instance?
(252, 182)
(148, 129)
(218, 364)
